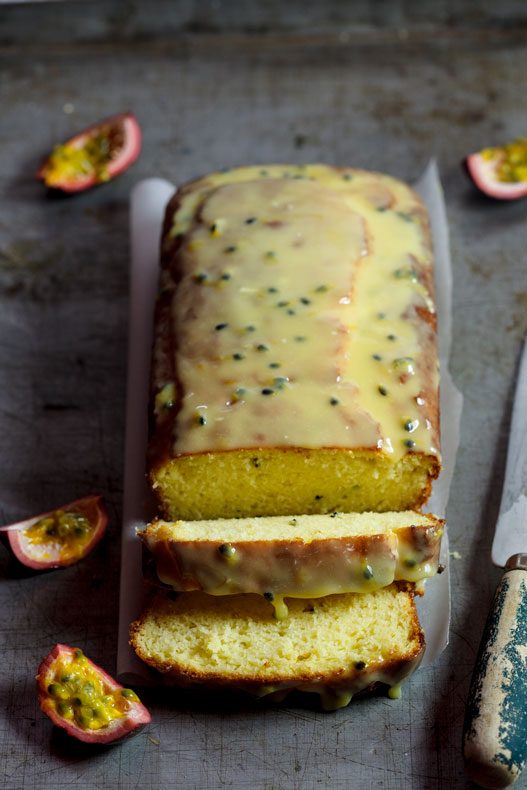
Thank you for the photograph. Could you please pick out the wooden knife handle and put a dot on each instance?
(495, 729)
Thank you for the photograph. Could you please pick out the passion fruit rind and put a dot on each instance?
(500, 172)
(59, 537)
(94, 156)
(85, 701)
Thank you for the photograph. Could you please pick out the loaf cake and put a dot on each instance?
(336, 646)
(303, 557)
(294, 418)
(294, 364)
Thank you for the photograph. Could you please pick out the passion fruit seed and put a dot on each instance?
(405, 274)
(94, 156)
(68, 527)
(129, 694)
(512, 157)
(92, 159)
(410, 425)
(65, 709)
(83, 699)
(226, 550)
(57, 690)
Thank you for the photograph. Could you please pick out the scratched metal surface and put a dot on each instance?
(378, 100)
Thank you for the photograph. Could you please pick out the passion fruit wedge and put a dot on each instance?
(83, 699)
(93, 156)
(500, 172)
(59, 537)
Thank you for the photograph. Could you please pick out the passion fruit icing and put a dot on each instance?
(272, 335)
(306, 556)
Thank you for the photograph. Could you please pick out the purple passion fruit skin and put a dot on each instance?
(94, 156)
(59, 537)
(500, 172)
(84, 700)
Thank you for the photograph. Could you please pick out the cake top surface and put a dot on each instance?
(301, 306)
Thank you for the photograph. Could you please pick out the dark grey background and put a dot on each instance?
(381, 85)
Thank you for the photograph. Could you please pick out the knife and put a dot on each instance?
(495, 728)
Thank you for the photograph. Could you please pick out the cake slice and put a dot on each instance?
(336, 646)
(294, 363)
(300, 556)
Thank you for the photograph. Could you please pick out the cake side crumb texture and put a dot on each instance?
(349, 640)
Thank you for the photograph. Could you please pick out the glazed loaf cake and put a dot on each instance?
(294, 364)
(301, 556)
(336, 646)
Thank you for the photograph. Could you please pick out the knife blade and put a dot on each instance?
(495, 727)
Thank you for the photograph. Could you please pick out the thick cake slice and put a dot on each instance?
(294, 365)
(336, 646)
(300, 556)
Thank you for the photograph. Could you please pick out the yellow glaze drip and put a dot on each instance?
(322, 555)
(395, 691)
(274, 348)
(280, 607)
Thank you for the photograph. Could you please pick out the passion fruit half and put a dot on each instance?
(500, 172)
(83, 699)
(59, 537)
(93, 156)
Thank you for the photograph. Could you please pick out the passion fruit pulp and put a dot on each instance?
(500, 172)
(84, 700)
(59, 537)
(93, 156)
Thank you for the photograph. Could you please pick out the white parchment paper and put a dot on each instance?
(434, 607)
(148, 202)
